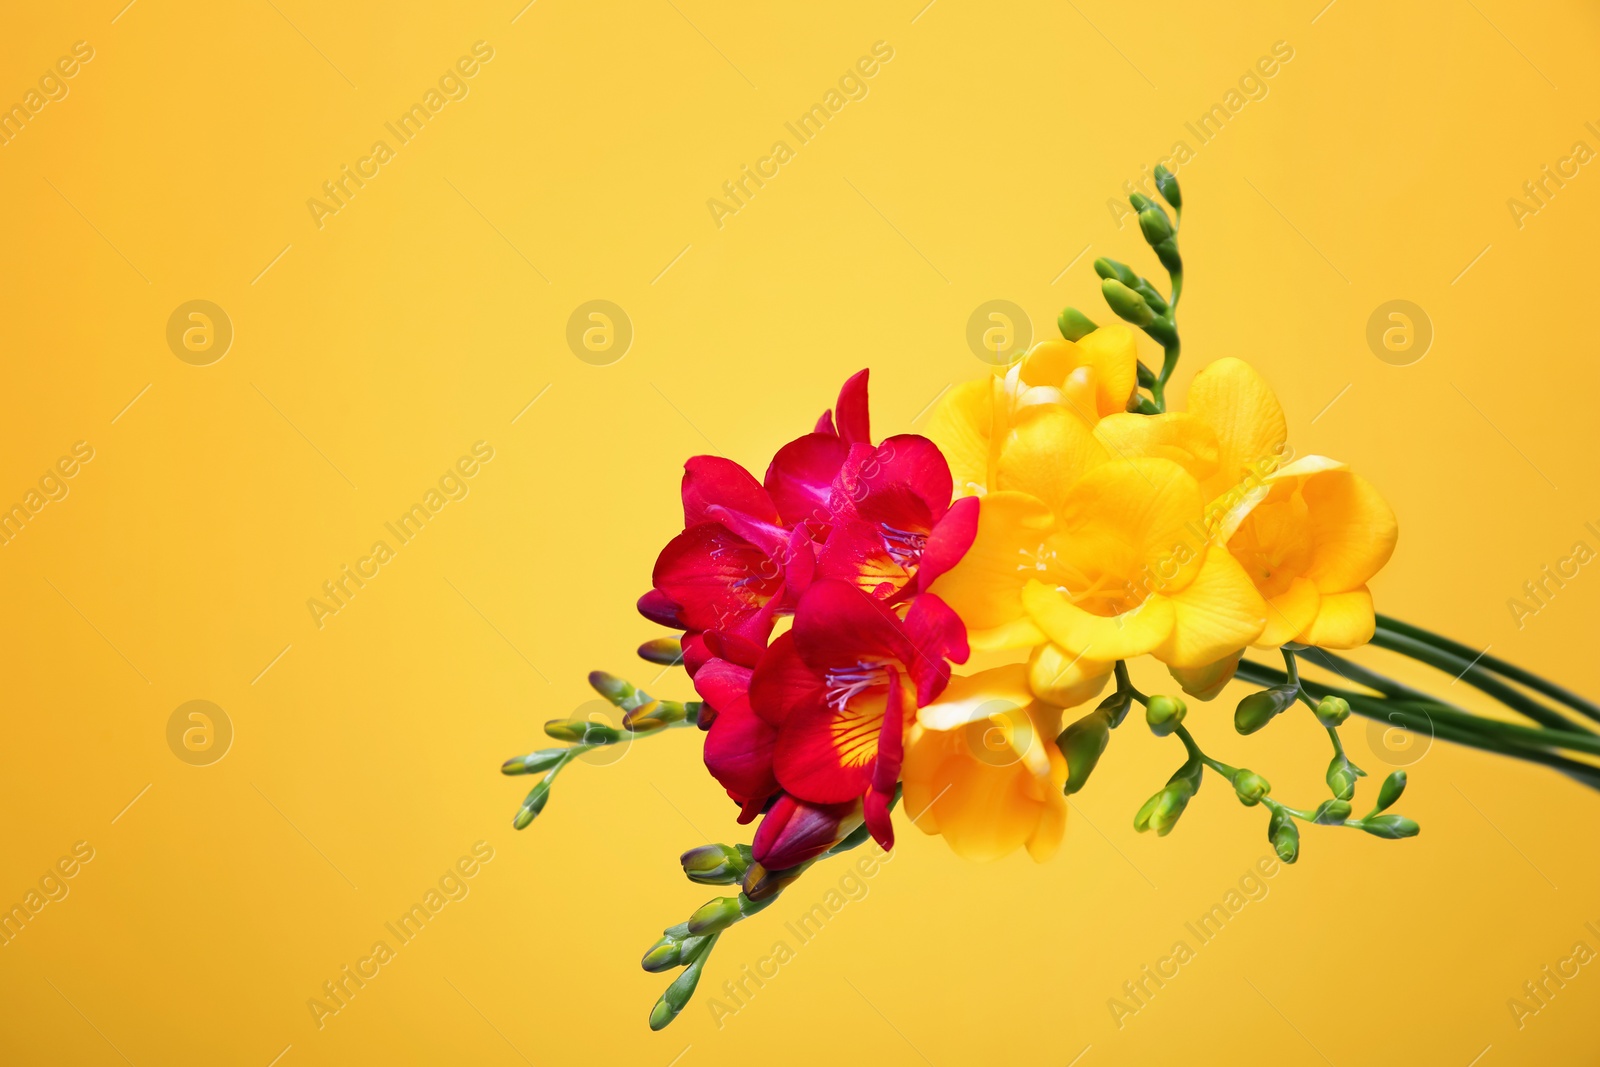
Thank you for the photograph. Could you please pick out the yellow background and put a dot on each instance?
(426, 315)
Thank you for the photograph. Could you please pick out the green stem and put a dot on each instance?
(1467, 671)
(1510, 670)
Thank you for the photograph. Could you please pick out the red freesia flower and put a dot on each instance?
(843, 686)
(846, 536)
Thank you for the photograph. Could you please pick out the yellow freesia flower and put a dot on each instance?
(1310, 533)
(1090, 378)
(982, 769)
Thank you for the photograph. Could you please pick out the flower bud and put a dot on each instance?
(1110, 268)
(667, 651)
(1284, 835)
(1173, 799)
(611, 687)
(671, 952)
(1075, 324)
(1392, 827)
(714, 916)
(1152, 296)
(713, 865)
(1258, 709)
(1115, 706)
(1128, 304)
(1332, 710)
(1332, 813)
(1250, 787)
(1139, 201)
(1147, 378)
(659, 609)
(583, 732)
(1154, 224)
(1081, 745)
(677, 995)
(532, 805)
(794, 831)
(761, 884)
(533, 762)
(1390, 790)
(1164, 714)
(653, 715)
(1168, 185)
(1341, 777)
(1167, 253)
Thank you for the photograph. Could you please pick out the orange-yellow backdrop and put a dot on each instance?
(375, 344)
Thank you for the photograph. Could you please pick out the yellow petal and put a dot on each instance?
(1289, 613)
(1241, 409)
(960, 427)
(1049, 362)
(1177, 436)
(1018, 633)
(1114, 354)
(1050, 829)
(1047, 451)
(1136, 520)
(1353, 530)
(973, 697)
(1132, 633)
(1064, 680)
(1204, 683)
(1215, 616)
(985, 587)
(1344, 620)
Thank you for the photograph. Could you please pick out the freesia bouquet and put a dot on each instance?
(1056, 522)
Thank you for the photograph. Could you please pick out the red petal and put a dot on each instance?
(837, 625)
(906, 460)
(949, 541)
(738, 749)
(783, 682)
(712, 480)
(938, 634)
(800, 478)
(875, 806)
(851, 411)
(824, 754)
(718, 580)
(825, 424)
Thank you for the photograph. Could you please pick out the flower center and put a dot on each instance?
(843, 684)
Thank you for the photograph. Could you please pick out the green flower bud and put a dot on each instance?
(1147, 377)
(1075, 324)
(1110, 268)
(1390, 790)
(611, 687)
(1392, 827)
(1115, 707)
(1167, 253)
(653, 715)
(1141, 819)
(671, 952)
(532, 805)
(1082, 744)
(1173, 799)
(1168, 185)
(667, 651)
(1155, 225)
(1164, 714)
(1128, 305)
(1284, 835)
(533, 762)
(1258, 709)
(1332, 711)
(714, 865)
(1342, 775)
(1332, 813)
(1250, 787)
(714, 916)
(678, 993)
(580, 731)
(1139, 201)
(1157, 302)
